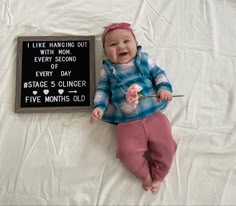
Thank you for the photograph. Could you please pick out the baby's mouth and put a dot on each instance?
(122, 54)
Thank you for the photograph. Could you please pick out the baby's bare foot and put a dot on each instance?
(156, 185)
(147, 183)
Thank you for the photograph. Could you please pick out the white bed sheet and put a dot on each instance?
(59, 159)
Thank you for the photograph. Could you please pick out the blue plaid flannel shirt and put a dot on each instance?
(116, 78)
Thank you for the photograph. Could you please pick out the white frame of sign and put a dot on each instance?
(19, 71)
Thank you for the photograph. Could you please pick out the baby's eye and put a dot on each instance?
(113, 44)
(126, 41)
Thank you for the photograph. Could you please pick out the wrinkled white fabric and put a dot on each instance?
(60, 159)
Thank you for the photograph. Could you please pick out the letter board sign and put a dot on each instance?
(55, 73)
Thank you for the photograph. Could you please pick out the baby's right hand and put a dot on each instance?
(97, 113)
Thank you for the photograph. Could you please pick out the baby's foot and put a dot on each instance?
(156, 185)
(147, 183)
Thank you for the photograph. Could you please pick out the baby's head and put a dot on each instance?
(119, 43)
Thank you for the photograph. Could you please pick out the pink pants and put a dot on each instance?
(152, 134)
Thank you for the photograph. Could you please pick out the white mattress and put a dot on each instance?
(60, 159)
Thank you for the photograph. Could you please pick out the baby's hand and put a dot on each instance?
(97, 113)
(164, 95)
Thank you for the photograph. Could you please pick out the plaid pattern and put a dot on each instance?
(115, 80)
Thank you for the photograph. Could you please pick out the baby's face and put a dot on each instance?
(120, 46)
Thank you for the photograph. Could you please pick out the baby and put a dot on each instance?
(141, 127)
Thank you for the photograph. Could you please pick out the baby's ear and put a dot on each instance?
(104, 52)
(136, 43)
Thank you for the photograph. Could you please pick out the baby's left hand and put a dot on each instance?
(164, 95)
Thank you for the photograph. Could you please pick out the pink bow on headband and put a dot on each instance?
(122, 25)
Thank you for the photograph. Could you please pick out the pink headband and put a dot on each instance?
(111, 27)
